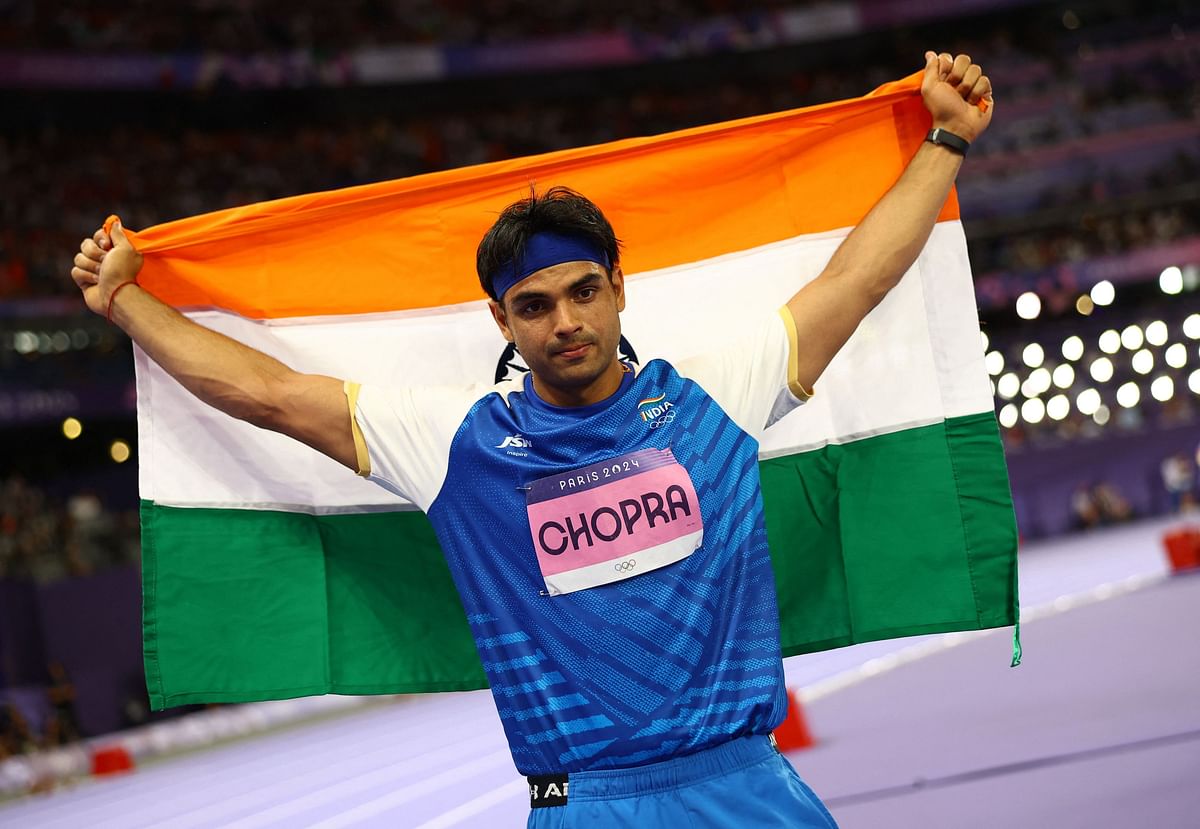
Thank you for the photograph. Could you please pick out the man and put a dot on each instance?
(603, 523)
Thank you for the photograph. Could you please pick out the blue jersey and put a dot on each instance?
(612, 559)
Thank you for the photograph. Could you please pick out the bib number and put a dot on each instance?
(613, 520)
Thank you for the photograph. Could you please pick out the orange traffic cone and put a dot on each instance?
(111, 760)
(793, 733)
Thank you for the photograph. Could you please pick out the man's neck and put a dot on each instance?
(575, 396)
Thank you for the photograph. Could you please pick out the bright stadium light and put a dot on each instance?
(1064, 376)
(1085, 306)
(1072, 347)
(1103, 293)
(994, 362)
(1129, 394)
(1008, 416)
(1101, 415)
(119, 451)
(1032, 411)
(1088, 401)
(1101, 369)
(1191, 327)
(72, 428)
(1171, 280)
(1194, 381)
(1132, 337)
(1162, 389)
(1176, 355)
(983, 337)
(1029, 305)
(1008, 386)
(1143, 361)
(1038, 382)
(1156, 333)
(1033, 355)
(1058, 407)
(1110, 341)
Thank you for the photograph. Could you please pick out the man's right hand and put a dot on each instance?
(103, 264)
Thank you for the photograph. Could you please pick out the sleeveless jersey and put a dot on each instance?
(612, 559)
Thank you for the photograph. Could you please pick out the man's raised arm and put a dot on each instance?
(224, 373)
(871, 260)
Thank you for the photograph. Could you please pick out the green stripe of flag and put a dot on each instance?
(889, 536)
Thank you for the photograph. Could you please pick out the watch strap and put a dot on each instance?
(945, 138)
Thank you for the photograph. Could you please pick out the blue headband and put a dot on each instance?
(542, 251)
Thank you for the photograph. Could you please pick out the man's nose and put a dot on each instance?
(566, 322)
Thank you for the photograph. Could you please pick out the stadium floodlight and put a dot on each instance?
(1072, 347)
(1101, 415)
(72, 428)
(119, 451)
(1103, 293)
(1132, 337)
(1008, 386)
(1058, 407)
(1064, 376)
(1143, 361)
(1038, 382)
(1110, 341)
(1101, 369)
(1162, 389)
(1129, 394)
(1176, 355)
(994, 362)
(1194, 381)
(1029, 305)
(1085, 306)
(1156, 333)
(1008, 416)
(1191, 327)
(1033, 410)
(983, 338)
(1088, 401)
(1171, 280)
(1033, 355)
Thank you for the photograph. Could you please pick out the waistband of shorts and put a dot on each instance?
(610, 784)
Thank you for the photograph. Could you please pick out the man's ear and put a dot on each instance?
(501, 319)
(617, 277)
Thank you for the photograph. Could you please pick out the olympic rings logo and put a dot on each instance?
(625, 566)
(664, 420)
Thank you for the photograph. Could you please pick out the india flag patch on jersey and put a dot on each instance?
(613, 520)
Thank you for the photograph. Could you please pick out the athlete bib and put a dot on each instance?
(613, 520)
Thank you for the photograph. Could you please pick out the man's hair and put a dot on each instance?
(559, 209)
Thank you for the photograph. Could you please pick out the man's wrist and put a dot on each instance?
(110, 304)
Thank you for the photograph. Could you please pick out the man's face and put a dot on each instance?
(564, 321)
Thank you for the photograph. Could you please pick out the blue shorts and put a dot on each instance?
(741, 784)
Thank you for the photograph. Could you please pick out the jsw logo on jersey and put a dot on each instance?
(515, 442)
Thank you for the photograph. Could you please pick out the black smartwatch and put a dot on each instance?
(937, 135)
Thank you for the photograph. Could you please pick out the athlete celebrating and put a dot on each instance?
(603, 523)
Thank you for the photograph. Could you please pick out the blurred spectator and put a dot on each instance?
(1179, 479)
(62, 726)
(15, 734)
(1099, 503)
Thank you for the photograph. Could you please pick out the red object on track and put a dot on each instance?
(793, 733)
(1183, 548)
(111, 760)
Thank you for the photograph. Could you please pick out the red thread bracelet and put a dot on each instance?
(108, 315)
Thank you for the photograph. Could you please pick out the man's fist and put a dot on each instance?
(957, 94)
(103, 263)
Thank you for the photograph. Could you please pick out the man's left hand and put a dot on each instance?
(957, 94)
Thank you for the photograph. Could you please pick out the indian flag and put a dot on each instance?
(270, 571)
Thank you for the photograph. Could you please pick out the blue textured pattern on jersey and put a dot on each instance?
(663, 664)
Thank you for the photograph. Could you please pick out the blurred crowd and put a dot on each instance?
(44, 540)
(249, 26)
(62, 182)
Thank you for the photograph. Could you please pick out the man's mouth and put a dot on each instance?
(575, 352)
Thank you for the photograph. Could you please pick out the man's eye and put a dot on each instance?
(587, 293)
(532, 308)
